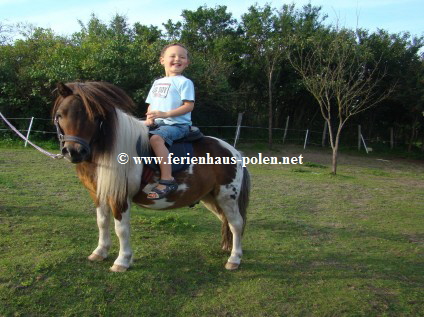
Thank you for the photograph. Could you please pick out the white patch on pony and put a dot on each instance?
(182, 187)
(234, 187)
(112, 177)
(190, 169)
(159, 204)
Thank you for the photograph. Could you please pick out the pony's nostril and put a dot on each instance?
(65, 151)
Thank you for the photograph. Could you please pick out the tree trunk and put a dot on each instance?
(412, 137)
(335, 148)
(334, 161)
(270, 112)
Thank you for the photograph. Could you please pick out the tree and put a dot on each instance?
(400, 56)
(264, 31)
(337, 72)
(260, 31)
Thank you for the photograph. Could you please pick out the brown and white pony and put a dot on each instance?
(96, 127)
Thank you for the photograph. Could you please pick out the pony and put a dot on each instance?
(98, 133)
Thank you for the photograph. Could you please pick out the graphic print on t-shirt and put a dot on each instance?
(161, 90)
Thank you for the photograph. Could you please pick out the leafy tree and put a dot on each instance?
(264, 31)
(399, 55)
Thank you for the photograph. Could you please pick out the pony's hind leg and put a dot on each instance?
(235, 223)
(232, 200)
(103, 222)
(212, 205)
(226, 209)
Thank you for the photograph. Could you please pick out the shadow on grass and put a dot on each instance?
(309, 251)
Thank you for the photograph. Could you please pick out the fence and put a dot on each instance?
(243, 134)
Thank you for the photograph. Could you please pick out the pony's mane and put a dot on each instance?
(100, 99)
(112, 177)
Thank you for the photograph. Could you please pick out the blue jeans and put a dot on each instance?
(170, 133)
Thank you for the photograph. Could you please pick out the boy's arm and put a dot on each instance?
(149, 121)
(186, 107)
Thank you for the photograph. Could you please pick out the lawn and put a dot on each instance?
(315, 244)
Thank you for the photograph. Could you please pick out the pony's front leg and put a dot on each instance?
(103, 222)
(122, 229)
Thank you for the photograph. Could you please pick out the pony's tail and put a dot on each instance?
(243, 203)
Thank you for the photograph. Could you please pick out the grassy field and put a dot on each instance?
(315, 245)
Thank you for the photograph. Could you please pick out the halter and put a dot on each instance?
(71, 138)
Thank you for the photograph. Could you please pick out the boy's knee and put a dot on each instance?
(156, 139)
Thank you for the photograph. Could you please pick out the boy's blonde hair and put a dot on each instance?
(162, 52)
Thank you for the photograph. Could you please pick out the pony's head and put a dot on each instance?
(85, 117)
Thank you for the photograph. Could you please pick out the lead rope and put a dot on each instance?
(54, 156)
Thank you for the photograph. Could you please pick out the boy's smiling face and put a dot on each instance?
(175, 60)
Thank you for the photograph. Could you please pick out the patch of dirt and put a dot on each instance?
(324, 157)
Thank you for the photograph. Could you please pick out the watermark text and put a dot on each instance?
(260, 159)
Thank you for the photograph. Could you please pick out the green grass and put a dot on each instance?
(315, 245)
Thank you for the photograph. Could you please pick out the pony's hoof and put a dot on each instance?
(231, 266)
(118, 268)
(95, 257)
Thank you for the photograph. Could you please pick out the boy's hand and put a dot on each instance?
(149, 122)
(155, 114)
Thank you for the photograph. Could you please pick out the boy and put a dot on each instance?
(171, 100)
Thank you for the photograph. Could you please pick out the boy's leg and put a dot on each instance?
(165, 134)
(167, 183)
(158, 146)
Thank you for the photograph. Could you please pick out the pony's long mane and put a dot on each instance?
(100, 99)
(112, 177)
(119, 133)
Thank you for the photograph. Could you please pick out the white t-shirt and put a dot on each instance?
(168, 93)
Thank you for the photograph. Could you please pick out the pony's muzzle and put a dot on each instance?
(74, 152)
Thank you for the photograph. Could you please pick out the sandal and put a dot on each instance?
(171, 186)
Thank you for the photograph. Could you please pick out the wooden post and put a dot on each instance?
(306, 139)
(365, 145)
(359, 137)
(324, 134)
(29, 130)
(240, 116)
(392, 139)
(285, 129)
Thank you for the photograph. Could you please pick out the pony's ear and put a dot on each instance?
(64, 90)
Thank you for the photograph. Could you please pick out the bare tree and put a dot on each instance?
(5, 33)
(337, 71)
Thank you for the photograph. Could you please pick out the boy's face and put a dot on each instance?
(175, 60)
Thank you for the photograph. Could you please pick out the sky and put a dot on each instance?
(395, 16)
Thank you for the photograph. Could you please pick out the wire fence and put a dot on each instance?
(35, 128)
(30, 124)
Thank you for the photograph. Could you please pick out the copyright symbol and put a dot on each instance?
(123, 158)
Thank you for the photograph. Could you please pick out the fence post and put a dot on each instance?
(366, 149)
(240, 116)
(359, 137)
(285, 129)
(392, 139)
(306, 139)
(324, 134)
(29, 130)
